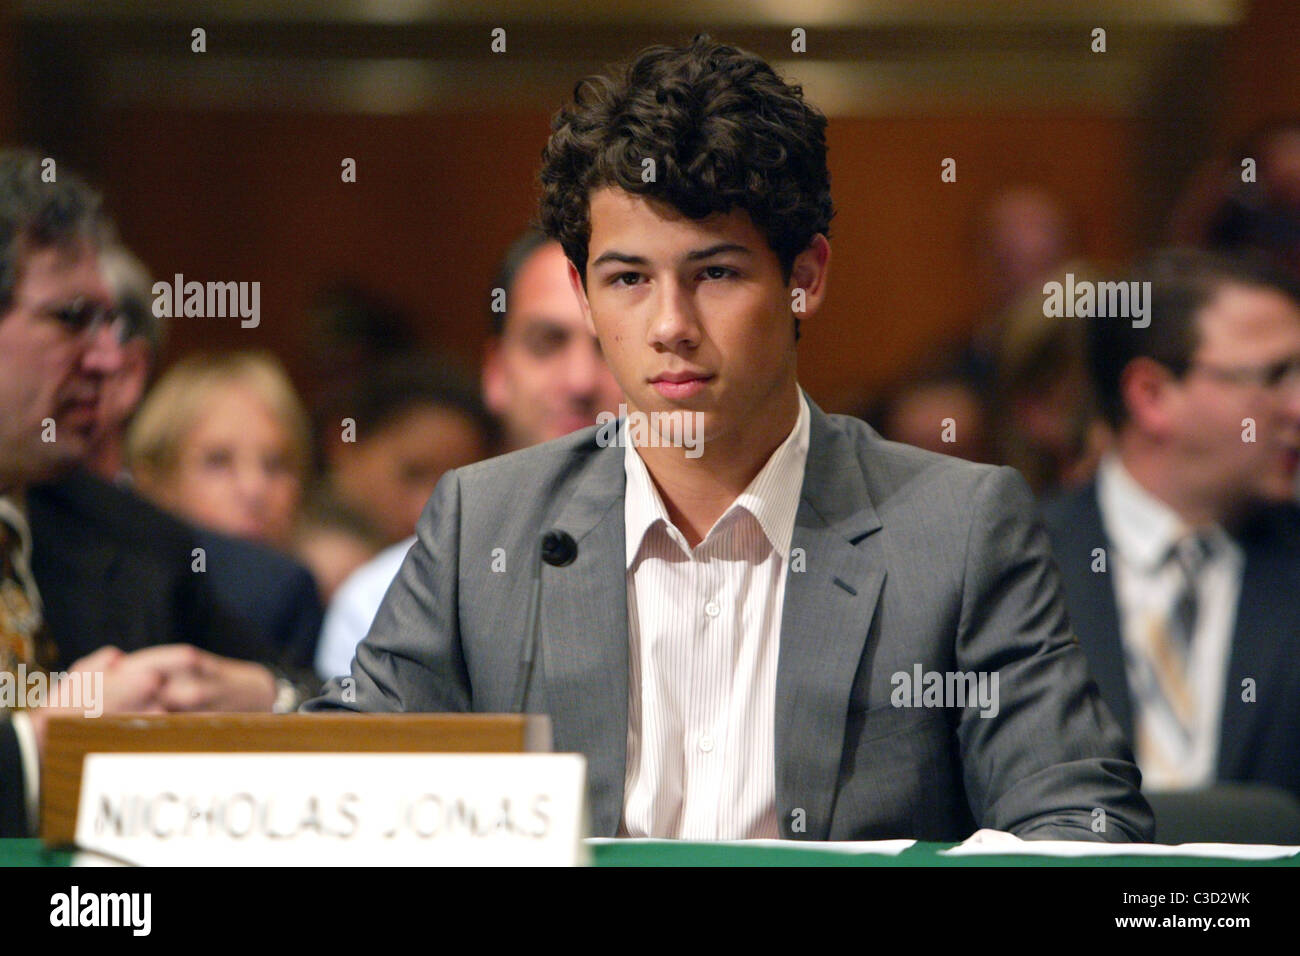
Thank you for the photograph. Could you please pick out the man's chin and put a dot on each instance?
(55, 465)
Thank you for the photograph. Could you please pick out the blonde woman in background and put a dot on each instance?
(223, 441)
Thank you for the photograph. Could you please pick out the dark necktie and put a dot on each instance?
(1188, 555)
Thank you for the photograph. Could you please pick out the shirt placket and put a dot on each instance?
(705, 743)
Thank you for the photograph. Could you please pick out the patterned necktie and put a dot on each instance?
(23, 638)
(1188, 555)
(1167, 736)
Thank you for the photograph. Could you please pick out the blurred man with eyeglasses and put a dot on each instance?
(1181, 561)
(95, 585)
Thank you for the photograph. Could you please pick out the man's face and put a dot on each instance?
(546, 377)
(696, 316)
(51, 374)
(1242, 329)
(121, 392)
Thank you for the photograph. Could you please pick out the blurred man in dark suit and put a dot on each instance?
(1181, 561)
(129, 589)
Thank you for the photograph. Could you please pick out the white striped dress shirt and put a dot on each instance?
(704, 627)
(1142, 529)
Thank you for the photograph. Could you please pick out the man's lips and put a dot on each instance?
(680, 384)
(79, 408)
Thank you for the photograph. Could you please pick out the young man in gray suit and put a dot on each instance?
(772, 623)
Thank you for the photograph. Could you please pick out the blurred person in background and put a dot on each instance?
(543, 373)
(222, 441)
(1045, 421)
(261, 587)
(395, 433)
(1022, 234)
(1224, 209)
(543, 377)
(122, 391)
(94, 579)
(351, 330)
(939, 410)
(333, 540)
(1181, 561)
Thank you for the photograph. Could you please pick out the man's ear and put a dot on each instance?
(1147, 388)
(810, 272)
(575, 280)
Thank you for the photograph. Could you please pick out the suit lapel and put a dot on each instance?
(1260, 617)
(1092, 605)
(825, 620)
(78, 623)
(585, 637)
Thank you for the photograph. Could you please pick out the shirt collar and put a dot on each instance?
(1142, 526)
(772, 497)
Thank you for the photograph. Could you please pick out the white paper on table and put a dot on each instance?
(882, 847)
(997, 842)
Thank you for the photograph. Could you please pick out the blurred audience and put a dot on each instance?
(939, 411)
(543, 377)
(223, 441)
(351, 330)
(1181, 562)
(1045, 423)
(1227, 210)
(1021, 235)
(94, 579)
(543, 374)
(333, 540)
(266, 591)
(395, 433)
(143, 334)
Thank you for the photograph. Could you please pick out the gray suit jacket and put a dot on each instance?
(911, 558)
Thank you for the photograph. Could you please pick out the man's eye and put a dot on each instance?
(623, 277)
(217, 458)
(719, 272)
(545, 343)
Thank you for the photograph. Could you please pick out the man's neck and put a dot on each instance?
(1160, 478)
(698, 491)
(108, 458)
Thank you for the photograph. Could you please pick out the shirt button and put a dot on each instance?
(712, 609)
(706, 743)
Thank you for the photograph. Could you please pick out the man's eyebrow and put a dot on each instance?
(615, 256)
(693, 256)
(540, 324)
(716, 250)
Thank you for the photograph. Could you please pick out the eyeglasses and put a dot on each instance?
(1276, 375)
(84, 316)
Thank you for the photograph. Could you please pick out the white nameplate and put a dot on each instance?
(335, 809)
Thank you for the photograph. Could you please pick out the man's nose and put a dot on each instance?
(104, 355)
(675, 324)
(1291, 403)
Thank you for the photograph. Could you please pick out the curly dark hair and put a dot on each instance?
(725, 132)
